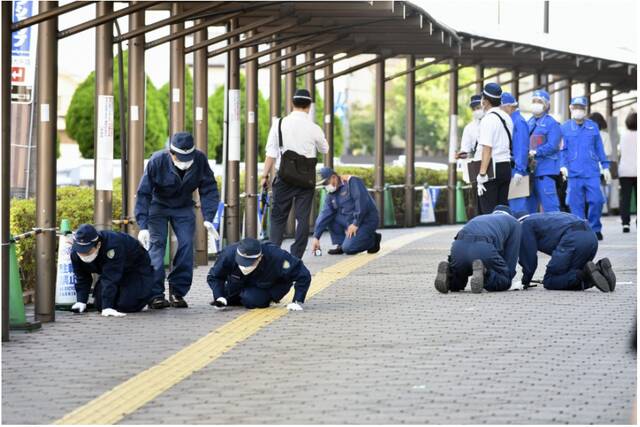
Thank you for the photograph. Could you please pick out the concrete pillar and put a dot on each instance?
(47, 98)
(232, 186)
(410, 148)
(251, 145)
(378, 184)
(200, 132)
(453, 141)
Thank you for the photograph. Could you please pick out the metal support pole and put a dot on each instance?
(609, 108)
(251, 146)
(515, 83)
(453, 142)
(102, 205)
(136, 99)
(328, 116)
(47, 96)
(410, 149)
(289, 82)
(587, 93)
(200, 129)
(310, 82)
(275, 89)
(537, 80)
(176, 76)
(6, 162)
(479, 78)
(232, 185)
(378, 183)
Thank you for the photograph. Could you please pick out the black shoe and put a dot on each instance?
(158, 303)
(477, 277)
(626, 228)
(595, 278)
(336, 251)
(604, 265)
(599, 235)
(376, 246)
(178, 302)
(443, 277)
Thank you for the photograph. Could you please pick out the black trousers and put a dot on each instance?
(284, 195)
(627, 184)
(497, 189)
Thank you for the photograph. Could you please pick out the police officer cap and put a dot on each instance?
(492, 90)
(541, 94)
(325, 174)
(508, 99)
(182, 146)
(520, 215)
(579, 100)
(85, 238)
(475, 100)
(249, 250)
(302, 94)
(503, 208)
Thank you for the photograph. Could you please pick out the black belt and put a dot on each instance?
(473, 238)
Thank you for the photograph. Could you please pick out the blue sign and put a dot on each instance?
(21, 40)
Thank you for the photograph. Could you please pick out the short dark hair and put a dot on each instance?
(599, 119)
(495, 102)
(632, 121)
(301, 103)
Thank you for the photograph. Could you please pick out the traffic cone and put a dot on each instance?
(17, 317)
(65, 279)
(389, 211)
(461, 214)
(323, 196)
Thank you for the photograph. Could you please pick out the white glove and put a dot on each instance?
(517, 178)
(145, 239)
(211, 230)
(607, 175)
(294, 306)
(220, 303)
(481, 189)
(111, 312)
(79, 307)
(564, 172)
(517, 286)
(481, 180)
(532, 153)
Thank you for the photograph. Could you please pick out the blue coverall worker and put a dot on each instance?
(165, 197)
(254, 274)
(520, 148)
(572, 246)
(544, 147)
(583, 160)
(126, 275)
(349, 213)
(487, 250)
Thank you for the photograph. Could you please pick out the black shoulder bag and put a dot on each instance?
(296, 169)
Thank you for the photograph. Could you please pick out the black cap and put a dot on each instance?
(85, 238)
(248, 251)
(182, 146)
(302, 94)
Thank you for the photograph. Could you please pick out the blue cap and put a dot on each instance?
(182, 146)
(503, 208)
(302, 94)
(520, 215)
(248, 251)
(492, 90)
(508, 99)
(85, 238)
(475, 100)
(541, 94)
(579, 100)
(325, 174)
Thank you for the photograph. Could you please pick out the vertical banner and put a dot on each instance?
(23, 53)
(66, 278)
(234, 125)
(104, 149)
(453, 137)
(427, 212)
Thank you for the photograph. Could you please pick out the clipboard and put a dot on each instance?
(473, 167)
(522, 189)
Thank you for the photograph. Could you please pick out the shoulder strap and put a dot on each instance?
(280, 132)
(504, 124)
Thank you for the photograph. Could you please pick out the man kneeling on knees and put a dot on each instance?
(349, 213)
(254, 274)
(487, 250)
(572, 245)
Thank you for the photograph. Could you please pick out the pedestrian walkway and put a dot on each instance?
(377, 344)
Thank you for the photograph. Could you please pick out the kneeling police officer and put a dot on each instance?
(126, 275)
(254, 274)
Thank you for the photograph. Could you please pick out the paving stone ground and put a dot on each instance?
(379, 346)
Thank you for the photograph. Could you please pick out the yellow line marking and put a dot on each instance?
(127, 397)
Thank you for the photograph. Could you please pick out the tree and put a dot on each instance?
(80, 115)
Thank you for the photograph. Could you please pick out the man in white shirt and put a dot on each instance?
(469, 143)
(301, 135)
(494, 150)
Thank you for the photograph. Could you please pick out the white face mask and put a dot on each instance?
(478, 114)
(330, 188)
(537, 109)
(248, 270)
(90, 258)
(183, 165)
(578, 114)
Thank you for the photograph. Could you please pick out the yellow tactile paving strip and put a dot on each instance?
(114, 405)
